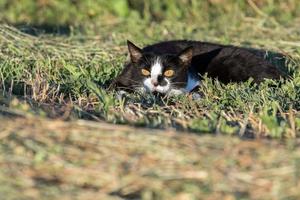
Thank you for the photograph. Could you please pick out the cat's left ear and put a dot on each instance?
(186, 55)
(134, 51)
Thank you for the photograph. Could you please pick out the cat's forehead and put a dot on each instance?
(151, 58)
(154, 57)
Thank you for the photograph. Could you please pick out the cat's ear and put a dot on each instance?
(134, 51)
(186, 55)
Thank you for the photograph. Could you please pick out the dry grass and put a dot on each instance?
(46, 159)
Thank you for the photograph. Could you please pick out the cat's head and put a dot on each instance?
(163, 73)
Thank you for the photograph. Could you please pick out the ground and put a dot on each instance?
(64, 135)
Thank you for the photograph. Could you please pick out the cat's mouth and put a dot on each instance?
(159, 89)
(163, 89)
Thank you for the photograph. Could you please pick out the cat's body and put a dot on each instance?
(189, 60)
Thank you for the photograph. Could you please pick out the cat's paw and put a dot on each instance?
(176, 92)
(120, 94)
(195, 96)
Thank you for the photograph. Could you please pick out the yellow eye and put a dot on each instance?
(169, 73)
(145, 72)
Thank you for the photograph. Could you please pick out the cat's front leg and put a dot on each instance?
(195, 96)
(191, 95)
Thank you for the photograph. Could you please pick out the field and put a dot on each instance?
(64, 135)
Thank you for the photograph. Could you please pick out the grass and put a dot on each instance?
(75, 72)
(60, 126)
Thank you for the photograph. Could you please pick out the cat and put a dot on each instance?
(176, 67)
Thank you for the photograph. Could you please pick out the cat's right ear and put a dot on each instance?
(134, 52)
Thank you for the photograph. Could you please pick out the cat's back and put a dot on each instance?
(176, 46)
(199, 47)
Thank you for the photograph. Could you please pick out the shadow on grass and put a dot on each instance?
(39, 29)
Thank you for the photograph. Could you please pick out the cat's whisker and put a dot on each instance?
(132, 80)
(177, 82)
(132, 87)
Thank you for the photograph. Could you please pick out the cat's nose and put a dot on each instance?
(155, 83)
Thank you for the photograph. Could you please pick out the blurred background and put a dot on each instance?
(90, 15)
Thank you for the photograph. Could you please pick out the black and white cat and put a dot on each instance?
(176, 67)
